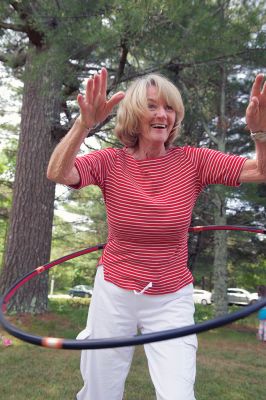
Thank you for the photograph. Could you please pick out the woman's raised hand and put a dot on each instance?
(94, 106)
(256, 110)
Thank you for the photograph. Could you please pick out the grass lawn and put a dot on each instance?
(231, 362)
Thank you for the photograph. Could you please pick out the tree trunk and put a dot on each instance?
(220, 256)
(29, 238)
(220, 237)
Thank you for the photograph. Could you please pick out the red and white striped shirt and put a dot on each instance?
(149, 205)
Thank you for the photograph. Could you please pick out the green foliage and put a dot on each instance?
(89, 229)
(7, 171)
(80, 270)
(74, 309)
(203, 313)
(250, 275)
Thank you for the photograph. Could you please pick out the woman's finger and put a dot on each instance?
(252, 107)
(115, 99)
(82, 104)
(103, 87)
(96, 87)
(80, 100)
(256, 87)
(88, 93)
(263, 92)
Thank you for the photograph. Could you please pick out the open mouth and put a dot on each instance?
(159, 126)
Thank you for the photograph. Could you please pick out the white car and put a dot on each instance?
(241, 296)
(202, 296)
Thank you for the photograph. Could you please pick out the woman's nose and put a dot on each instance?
(161, 112)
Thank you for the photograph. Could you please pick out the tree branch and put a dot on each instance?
(4, 213)
(59, 131)
(13, 27)
(122, 64)
(15, 59)
(208, 131)
(25, 14)
(6, 183)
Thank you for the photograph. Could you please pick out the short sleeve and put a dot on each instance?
(215, 167)
(94, 167)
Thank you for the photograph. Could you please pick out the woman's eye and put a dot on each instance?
(169, 108)
(151, 106)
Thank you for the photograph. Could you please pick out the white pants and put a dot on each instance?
(117, 312)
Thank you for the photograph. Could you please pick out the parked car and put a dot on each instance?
(202, 296)
(80, 291)
(241, 296)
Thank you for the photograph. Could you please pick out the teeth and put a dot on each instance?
(158, 126)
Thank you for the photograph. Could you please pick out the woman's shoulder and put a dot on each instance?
(102, 158)
(185, 150)
(108, 153)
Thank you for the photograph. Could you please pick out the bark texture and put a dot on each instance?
(28, 240)
(219, 200)
(220, 256)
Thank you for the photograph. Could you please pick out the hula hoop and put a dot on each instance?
(61, 343)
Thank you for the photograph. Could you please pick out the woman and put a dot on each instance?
(261, 334)
(150, 188)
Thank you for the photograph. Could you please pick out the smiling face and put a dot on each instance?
(157, 125)
(151, 111)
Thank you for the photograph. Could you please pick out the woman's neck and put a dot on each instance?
(145, 153)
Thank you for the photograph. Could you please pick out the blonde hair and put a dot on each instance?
(134, 107)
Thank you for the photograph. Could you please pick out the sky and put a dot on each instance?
(10, 103)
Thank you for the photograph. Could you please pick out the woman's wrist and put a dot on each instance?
(83, 125)
(258, 136)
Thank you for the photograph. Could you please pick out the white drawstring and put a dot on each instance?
(143, 290)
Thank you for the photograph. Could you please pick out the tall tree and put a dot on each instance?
(47, 60)
(219, 200)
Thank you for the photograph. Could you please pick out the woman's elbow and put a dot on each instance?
(53, 176)
(253, 172)
(262, 170)
(56, 176)
(50, 174)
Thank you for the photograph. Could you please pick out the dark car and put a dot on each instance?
(80, 291)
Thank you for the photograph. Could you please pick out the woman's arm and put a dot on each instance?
(251, 174)
(61, 168)
(255, 170)
(94, 108)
